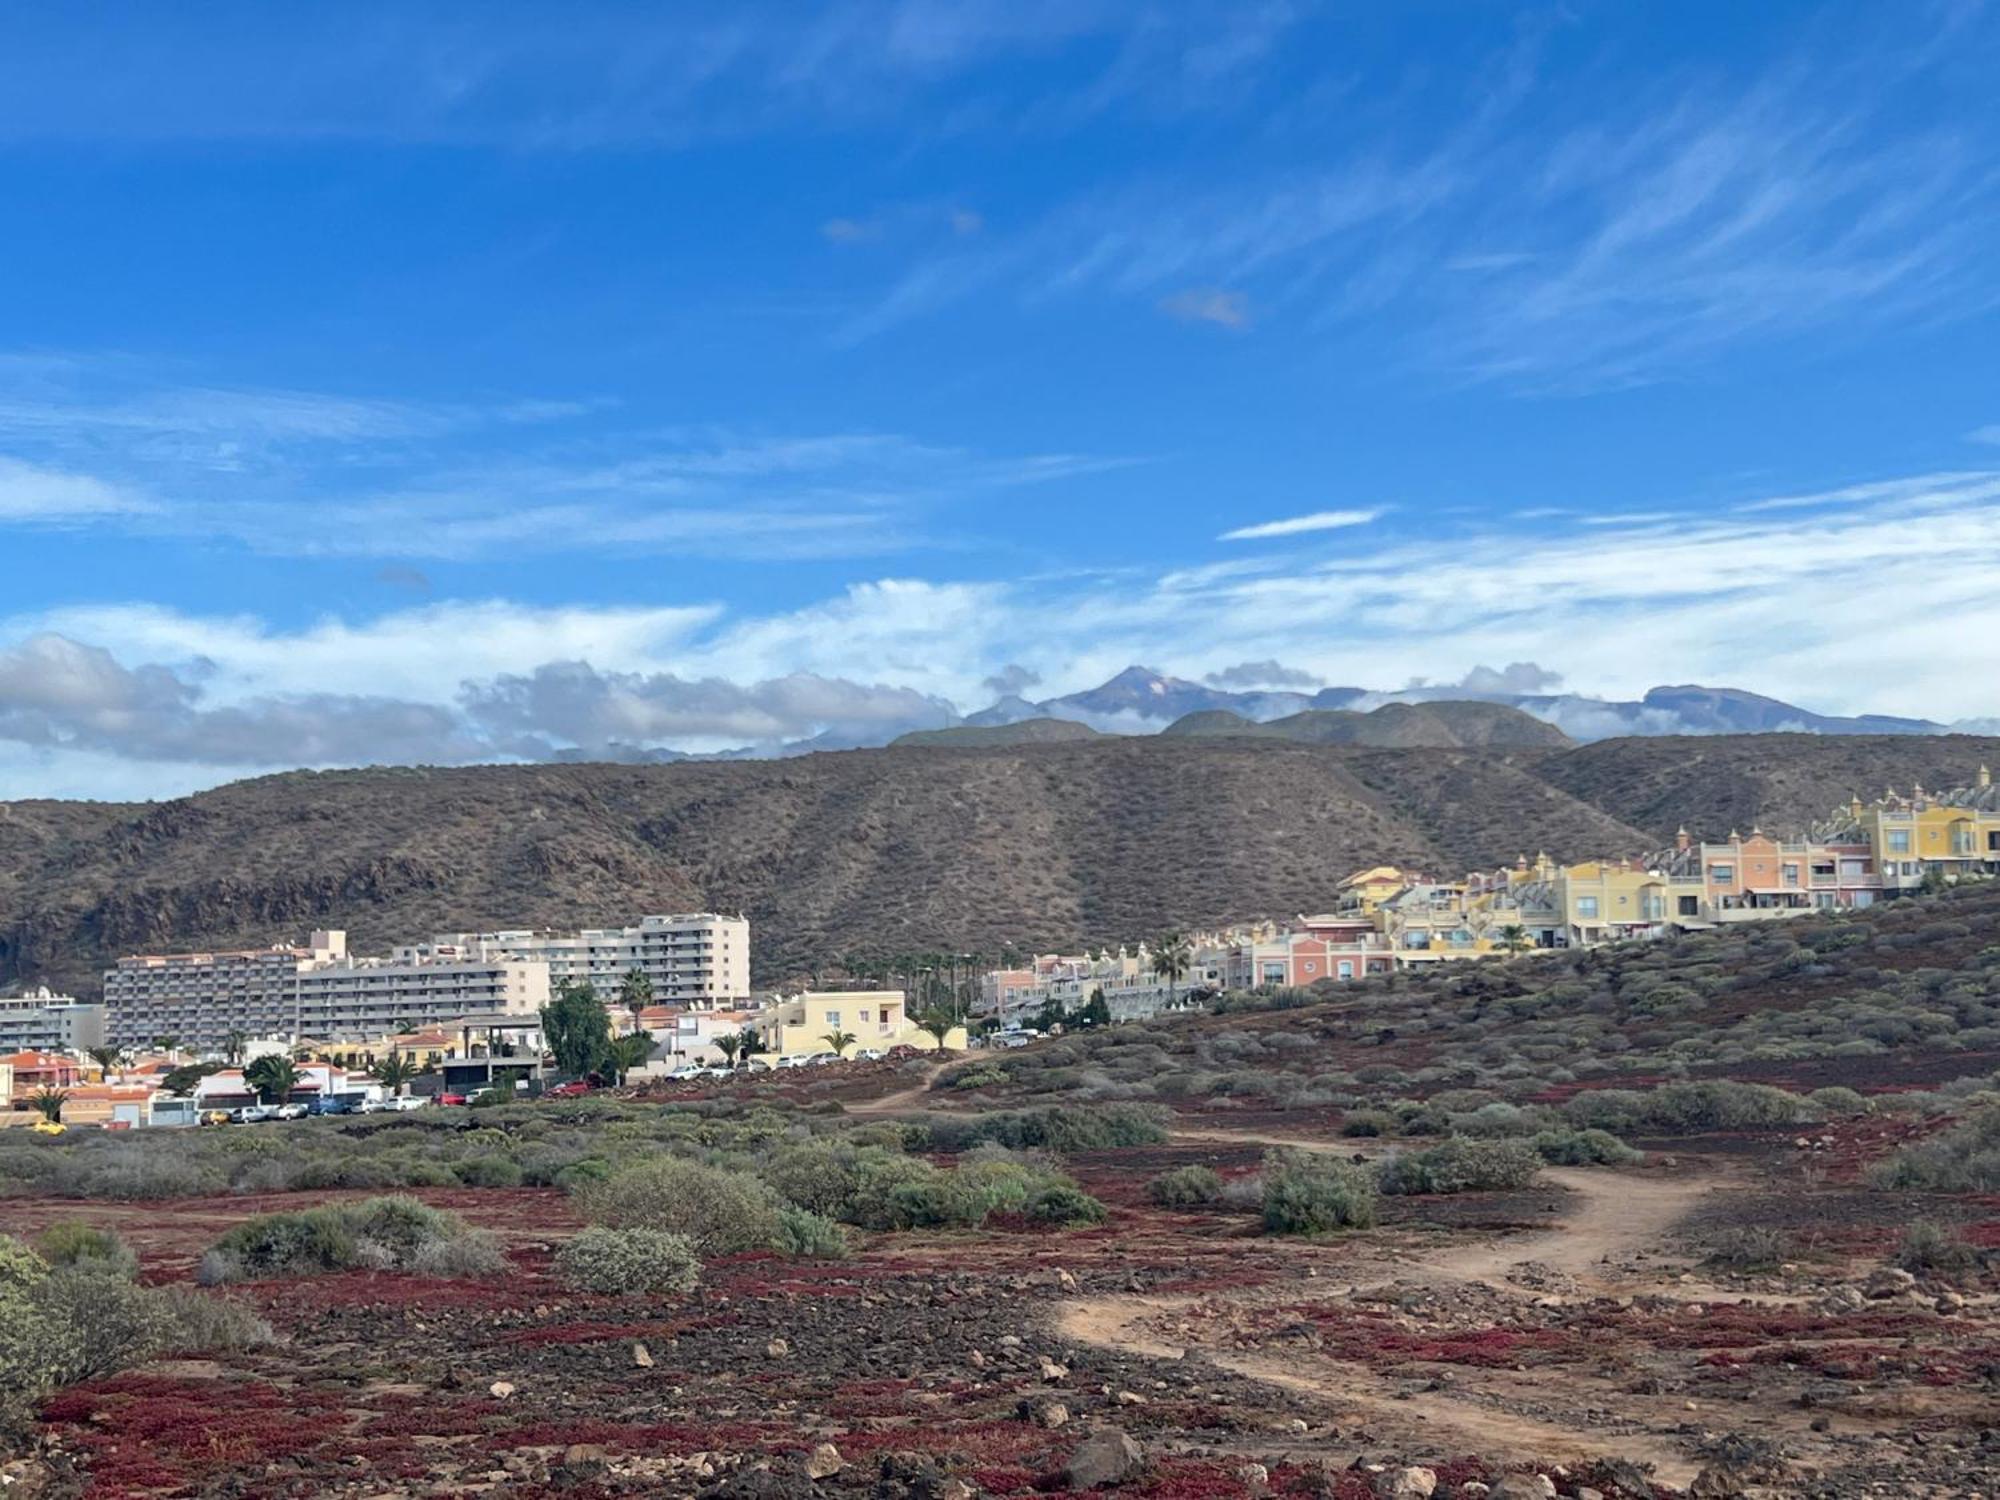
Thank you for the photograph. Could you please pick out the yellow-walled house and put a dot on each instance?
(800, 1026)
(1602, 901)
(1956, 833)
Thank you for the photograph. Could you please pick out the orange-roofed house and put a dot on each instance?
(43, 1070)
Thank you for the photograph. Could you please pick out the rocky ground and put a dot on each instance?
(1561, 1340)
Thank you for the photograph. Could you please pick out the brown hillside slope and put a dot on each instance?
(874, 851)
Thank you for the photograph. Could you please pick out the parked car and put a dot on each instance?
(453, 1099)
(215, 1117)
(572, 1089)
(253, 1114)
(337, 1106)
(686, 1071)
(1009, 1039)
(371, 1106)
(291, 1111)
(407, 1101)
(796, 1060)
(821, 1059)
(869, 1054)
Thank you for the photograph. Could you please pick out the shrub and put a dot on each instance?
(1185, 1187)
(620, 1261)
(71, 1242)
(1839, 1103)
(1368, 1123)
(96, 1321)
(399, 1234)
(208, 1324)
(1963, 1159)
(1462, 1166)
(1064, 1203)
(1307, 1194)
(807, 1236)
(1584, 1148)
(719, 1212)
(1927, 1246)
(1746, 1248)
(489, 1172)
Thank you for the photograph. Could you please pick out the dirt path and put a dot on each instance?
(1615, 1216)
(902, 1100)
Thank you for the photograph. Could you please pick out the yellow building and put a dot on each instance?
(875, 1019)
(1954, 833)
(1603, 901)
(1367, 889)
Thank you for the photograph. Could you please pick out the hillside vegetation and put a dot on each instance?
(879, 851)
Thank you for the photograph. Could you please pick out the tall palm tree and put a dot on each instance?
(1172, 958)
(624, 1053)
(728, 1044)
(233, 1045)
(106, 1058)
(48, 1103)
(635, 992)
(839, 1041)
(273, 1077)
(394, 1073)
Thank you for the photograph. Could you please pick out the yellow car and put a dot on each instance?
(215, 1117)
(48, 1127)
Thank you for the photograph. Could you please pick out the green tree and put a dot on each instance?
(1097, 1011)
(749, 1043)
(839, 1041)
(1172, 958)
(168, 1044)
(576, 1026)
(273, 1077)
(1514, 938)
(624, 1053)
(183, 1079)
(233, 1045)
(48, 1103)
(727, 1044)
(635, 993)
(1051, 1015)
(394, 1073)
(937, 1025)
(106, 1058)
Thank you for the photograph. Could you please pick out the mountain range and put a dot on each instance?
(1098, 839)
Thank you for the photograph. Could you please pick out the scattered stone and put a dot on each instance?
(1405, 1484)
(1049, 1414)
(778, 1349)
(582, 1461)
(1108, 1456)
(500, 1390)
(1252, 1476)
(1129, 1398)
(1889, 1281)
(1843, 1299)
(1053, 1371)
(1523, 1487)
(642, 1356)
(976, 1360)
(825, 1462)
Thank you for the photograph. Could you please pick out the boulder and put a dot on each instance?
(1523, 1487)
(1107, 1457)
(1411, 1483)
(1889, 1281)
(825, 1462)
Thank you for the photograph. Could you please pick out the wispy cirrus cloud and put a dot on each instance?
(1319, 520)
(100, 442)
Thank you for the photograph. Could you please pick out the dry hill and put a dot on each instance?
(877, 851)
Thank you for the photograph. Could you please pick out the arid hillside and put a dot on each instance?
(878, 851)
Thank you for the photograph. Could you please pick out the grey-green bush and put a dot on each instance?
(1185, 1187)
(621, 1261)
(1462, 1166)
(1308, 1194)
(719, 1212)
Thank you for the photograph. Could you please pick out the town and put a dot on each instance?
(276, 1033)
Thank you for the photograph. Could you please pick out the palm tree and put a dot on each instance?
(169, 1044)
(394, 1073)
(635, 993)
(233, 1045)
(749, 1043)
(839, 1041)
(1514, 938)
(727, 1044)
(1171, 961)
(106, 1058)
(937, 1025)
(273, 1077)
(48, 1103)
(624, 1053)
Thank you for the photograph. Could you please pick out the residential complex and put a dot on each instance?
(321, 991)
(1386, 918)
(699, 959)
(40, 1021)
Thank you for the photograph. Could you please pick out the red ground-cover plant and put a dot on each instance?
(1732, 1326)
(1873, 1362)
(1373, 1339)
(143, 1434)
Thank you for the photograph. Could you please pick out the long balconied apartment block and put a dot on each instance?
(322, 992)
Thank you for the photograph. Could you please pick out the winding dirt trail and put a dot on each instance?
(1615, 1216)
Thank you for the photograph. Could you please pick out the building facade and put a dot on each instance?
(44, 1022)
(696, 959)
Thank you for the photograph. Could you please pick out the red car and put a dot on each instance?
(570, 1090)
(451, 1099)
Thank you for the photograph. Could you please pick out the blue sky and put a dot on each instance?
(407, 382)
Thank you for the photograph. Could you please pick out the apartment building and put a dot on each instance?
(697, 959)
(1953, 833)
(877, 1019)
(41, 1021)
(318, 990)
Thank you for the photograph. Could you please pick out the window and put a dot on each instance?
(833, 1019)
(1791, 874)
(1690, 906)
(1274, 973)
(1722, 874)
(1347, 968)
(1586, 906)
(1899, 841)
(863, 1016)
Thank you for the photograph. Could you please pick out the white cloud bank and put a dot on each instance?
(1875, 598)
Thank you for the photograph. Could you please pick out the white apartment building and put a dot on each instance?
(41, 1021)
(317, 991)
(699, 959)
